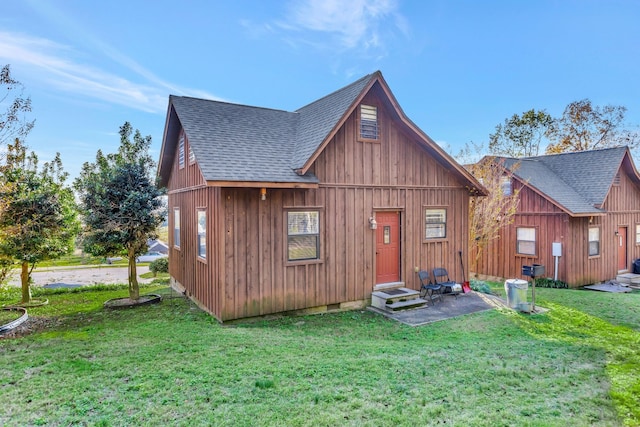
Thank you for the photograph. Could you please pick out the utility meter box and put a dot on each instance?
(556, 249)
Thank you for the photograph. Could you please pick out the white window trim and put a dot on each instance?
(369, 127)
(176, 228)
(181, 151)
(534, 241)
(442, 224)
(200, 246)
(589, 241)
(317, 234)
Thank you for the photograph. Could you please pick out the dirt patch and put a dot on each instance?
(31, 325)
(119, 303)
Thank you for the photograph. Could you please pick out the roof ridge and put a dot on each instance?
(367, 77)
(233, 103)
(568, 153)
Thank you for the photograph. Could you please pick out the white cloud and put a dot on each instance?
(355, 23)
(54, 64)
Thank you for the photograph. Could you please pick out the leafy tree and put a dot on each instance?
(38, 215)
(520, 136)
(13, 123)
(584, 126)
(121, 205)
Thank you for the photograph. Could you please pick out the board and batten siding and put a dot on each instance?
(247, 272)
(357, 178)
(188, 191)
(575, 267)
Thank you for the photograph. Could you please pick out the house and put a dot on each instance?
(582, 206)
(276, 211)
(155, 245)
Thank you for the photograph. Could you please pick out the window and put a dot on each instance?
(176, 227)
(303, 235)
(505, 184)
(192, 157)
(594, 241)
(637, 234)
(526, 241)
(181, 151)
(202, 233)
(616, 180)
(435, 223)
(368, 122)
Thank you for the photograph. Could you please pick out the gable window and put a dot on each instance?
(202, 233)
(181, 151)
(435, 223)
(368, 122)
(176, 227)
(594, 241)
(303, 235)
(525, 240)
(192, 157)
(616, 180)
(505, 184)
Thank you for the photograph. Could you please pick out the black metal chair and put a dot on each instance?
(428, 289)
(441, 278)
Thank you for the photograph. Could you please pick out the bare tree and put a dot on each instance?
(13, 108)
(584, 126)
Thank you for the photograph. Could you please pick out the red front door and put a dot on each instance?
(622, 248)
(388, 247)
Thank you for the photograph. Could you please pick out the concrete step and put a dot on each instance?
(628, 278)
(392, 299)
(406, 305)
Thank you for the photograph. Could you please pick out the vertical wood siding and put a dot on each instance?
(575, 266)
(249, 274)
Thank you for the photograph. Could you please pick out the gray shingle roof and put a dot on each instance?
(244, 144)
(578, 182)
(234, 142)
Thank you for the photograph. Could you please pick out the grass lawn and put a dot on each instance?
(172, 364)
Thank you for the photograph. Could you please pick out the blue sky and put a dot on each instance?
(457, 68)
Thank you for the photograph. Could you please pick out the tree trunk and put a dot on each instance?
(134, 289)
(24, 279)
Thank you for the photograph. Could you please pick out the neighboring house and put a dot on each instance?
(274, 211)
(154, 245)
(587, 203)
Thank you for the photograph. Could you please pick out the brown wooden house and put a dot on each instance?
(273, 211)
(584, 205)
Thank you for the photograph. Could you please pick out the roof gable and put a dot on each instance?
(245, 144)
(577, 182)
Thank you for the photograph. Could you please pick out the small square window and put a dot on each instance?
(435, 224)
(526, 241)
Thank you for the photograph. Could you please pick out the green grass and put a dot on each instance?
(172, 364)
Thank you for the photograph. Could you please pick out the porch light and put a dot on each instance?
(263, 194)
(372, 223)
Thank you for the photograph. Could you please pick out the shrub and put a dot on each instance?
(161, 265)
(480, 286)
(543, 282)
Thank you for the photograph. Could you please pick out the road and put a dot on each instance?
(83, 276)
